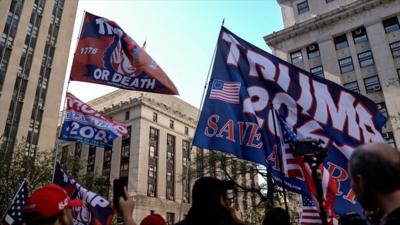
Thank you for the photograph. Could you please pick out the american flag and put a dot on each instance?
(309, 212)
(290, 163)
(295, 167)
(225, 91)
(14, 212)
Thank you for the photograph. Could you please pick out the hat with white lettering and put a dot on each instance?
(48, 201)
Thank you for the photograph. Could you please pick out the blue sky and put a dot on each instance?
(181, 35)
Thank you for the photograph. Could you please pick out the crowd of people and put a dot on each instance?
(375, 178)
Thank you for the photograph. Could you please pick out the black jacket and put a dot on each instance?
(392, 218)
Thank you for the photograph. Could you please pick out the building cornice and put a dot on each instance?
(151, 103)
(322, 20)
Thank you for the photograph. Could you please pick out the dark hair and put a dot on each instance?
(380, 168)
(208, 190)
(276, 216)
(206, 207)
(29, 219)
(352, 219)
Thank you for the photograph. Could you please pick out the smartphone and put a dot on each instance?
(119, 190)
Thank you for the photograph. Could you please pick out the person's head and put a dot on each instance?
(276, 216)
(49, 205)
(374, 171)
(153, 219)
(209, 191)
(352, 218)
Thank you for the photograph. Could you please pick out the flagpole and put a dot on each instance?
(279, 147)
(13, 199)
(198, 116)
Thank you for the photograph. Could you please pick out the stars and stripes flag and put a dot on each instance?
(225, 91)
(14, 212)
(294, 166)
(309, 212)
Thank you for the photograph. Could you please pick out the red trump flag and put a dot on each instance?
(107, 55)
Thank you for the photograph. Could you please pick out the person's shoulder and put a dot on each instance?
(393, 218)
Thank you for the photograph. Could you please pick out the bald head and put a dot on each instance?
(379, 165)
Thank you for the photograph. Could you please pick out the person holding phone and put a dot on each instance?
(126, 207)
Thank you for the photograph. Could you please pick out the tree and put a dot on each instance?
(21, 164)
(38, 167)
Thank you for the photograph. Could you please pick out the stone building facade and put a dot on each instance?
(34, 48)
(155, 154)
(355, 43)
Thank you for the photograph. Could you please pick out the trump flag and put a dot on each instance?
(95, 210)
(84, 124)
(242, 123)
(107, 55)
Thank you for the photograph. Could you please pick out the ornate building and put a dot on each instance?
(155, 154)
(355, 43)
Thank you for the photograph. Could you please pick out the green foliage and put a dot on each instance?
(37, 167)
(91, 181)
(21, 164)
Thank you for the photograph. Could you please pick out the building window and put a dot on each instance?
(313, 51)
(8, 35)
(253, 185)
(389, 138)
(395, 48)
(303, 7)
(382, 108)
(91, 159)
(296, 57)
(317, 71)
(234, 170)
(372, 84)
(359, 35)
(78, 150)
(127, 115)
(125, 153)
(171, 124)
(352, 86)
(64, 154)
(328, 1)
(391, 24)
(200, 162)
(398, 75)
(365, 59)
(170, 218)
(244, 200)
(155, 117)
(107, 162)
(346, 65)
(170, 167)
(185, 167)
(153, 161)
(186, 130)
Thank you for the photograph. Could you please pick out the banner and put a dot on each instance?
(242, 123)
(84, 124)
(107, 55)
(95, 210)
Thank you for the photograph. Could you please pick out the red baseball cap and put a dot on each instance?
(153, 219)
(48, 201)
